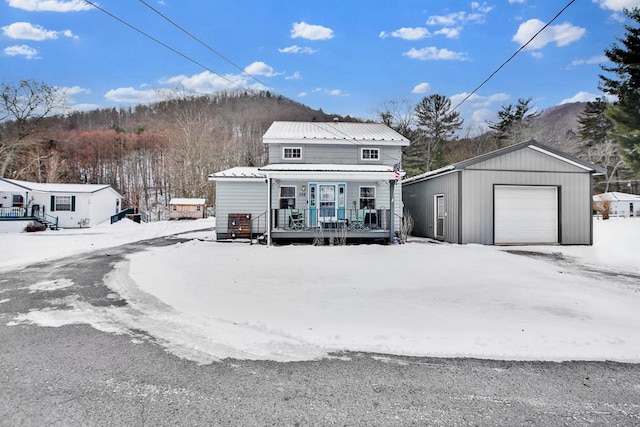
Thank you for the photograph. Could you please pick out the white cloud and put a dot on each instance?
(421, 88)
(302, 94)
(561, 35)
(50, 5)
(133, 96)
(336, 92)
(259, 68)
(206, 82)
(21, 50)
(476, 101)
(580, 97)
(435, 54)
(311, 32)
(516, 1)
(481, 7)
(28, 31)
(590, 61)
(294, 76)
(449, 32)
(297, 49)
(617, 5)
(416, 33)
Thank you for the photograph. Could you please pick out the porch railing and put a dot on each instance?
(351, 219)
(13, 212)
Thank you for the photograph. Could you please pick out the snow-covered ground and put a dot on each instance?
(205, 300)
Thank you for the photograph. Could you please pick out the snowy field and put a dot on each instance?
(207, 301)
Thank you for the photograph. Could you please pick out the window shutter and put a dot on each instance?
(53, 203)
(73, 203)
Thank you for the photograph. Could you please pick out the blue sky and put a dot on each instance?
(346, 56)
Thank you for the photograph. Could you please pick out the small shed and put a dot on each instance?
(186, 208)
(620, 204)
(527, 193)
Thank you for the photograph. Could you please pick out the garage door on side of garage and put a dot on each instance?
(525, 214)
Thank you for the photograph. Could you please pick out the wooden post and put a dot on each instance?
(392, 219)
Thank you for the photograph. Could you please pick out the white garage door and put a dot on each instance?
(525, 214)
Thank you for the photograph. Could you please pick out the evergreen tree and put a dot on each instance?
(625, 85)
(514, 123)
(437, 124)
(599, 147)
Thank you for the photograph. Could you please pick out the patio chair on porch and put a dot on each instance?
(296, 220)
(356, 222)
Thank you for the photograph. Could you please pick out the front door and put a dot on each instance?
(328, 203)
(439, 216)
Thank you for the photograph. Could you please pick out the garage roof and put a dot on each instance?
(533, 144)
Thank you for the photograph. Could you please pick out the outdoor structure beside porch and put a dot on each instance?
(187, 208)
(332, 180)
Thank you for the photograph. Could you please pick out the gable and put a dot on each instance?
(528, 159)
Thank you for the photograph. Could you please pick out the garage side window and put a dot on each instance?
(288, 197)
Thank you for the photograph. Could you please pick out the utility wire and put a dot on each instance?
(162, 43)
(200, 41)
(513, 56)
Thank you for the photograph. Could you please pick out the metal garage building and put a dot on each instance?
(527, 193)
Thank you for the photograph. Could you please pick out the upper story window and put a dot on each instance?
(292, 153)
(370, 154)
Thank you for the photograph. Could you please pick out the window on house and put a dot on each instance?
(18, 201)
(292, 153)
(63, 203)
(368, 197)
(288, 197)
(370, 154)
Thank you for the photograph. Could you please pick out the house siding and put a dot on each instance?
(352, 195)
(335, 154)
(252, 196)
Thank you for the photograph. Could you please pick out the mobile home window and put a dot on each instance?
(63, 203)
(367, 197)
(370, 154)
(292, 153)
(288, 197)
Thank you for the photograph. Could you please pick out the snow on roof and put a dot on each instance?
(186, 201)
(334, 132)
(49, 187)
(306, 167)
(239, 172)
(615, 196)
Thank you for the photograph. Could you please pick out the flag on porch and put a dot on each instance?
(396, 170)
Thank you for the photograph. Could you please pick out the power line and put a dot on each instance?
(200, 41)
(513, 56)
(162, 43)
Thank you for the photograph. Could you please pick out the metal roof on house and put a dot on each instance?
(533, 144)
(49, 187)
(186, 201)
(333, 132)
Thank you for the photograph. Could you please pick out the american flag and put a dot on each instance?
(396, 170)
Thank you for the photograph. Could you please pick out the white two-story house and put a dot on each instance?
(324, 179)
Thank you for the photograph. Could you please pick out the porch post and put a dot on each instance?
(392, 219)
(269, 182)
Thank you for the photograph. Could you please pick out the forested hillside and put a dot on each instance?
(153, 152)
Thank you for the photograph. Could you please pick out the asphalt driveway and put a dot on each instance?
(77, 375)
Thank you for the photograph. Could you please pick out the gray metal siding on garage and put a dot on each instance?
(478, 206)
(335, 154)
(240, 197)
(419, 200)
(526, 159)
